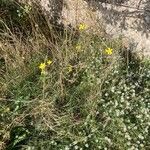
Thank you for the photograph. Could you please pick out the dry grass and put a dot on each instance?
(82, 100)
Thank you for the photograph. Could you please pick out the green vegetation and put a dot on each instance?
(65, 88)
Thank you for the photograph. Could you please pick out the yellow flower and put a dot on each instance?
(109, 51)
(42, 66)
(49, 62)
(82, 26)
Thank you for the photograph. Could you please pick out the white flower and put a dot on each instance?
(127, 104)
(122, 99)
(122, 112)
(108, 139)
(117, 112)
(85, 139)
(97, 112)
(116, 103)
(116, 71)
(119, 92)
(129, 127)
(141, 145)
(86, 145)
(132, 148)
(140, 137)
(76, 147)
(119, 132)
(124, 129)
(106, 94)
(128, 143)
(75, 142)
(146, 129)
(66, 148)
(85, 123)
(113, 89)
(133, 94)
(127, 136)
(89, 136)
(139, 116)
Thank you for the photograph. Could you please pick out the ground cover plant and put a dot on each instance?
(68, 88)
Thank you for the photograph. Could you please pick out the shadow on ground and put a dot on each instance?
(13, 15)
(117, 11)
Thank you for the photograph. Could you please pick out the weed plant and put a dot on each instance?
(72, 90)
